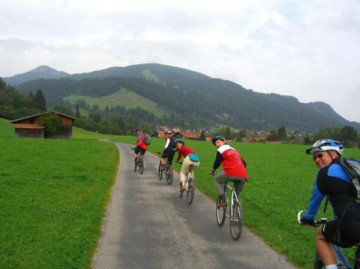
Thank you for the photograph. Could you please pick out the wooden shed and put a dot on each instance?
(30, 126)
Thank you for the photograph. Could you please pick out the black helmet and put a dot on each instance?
(179, 140)
(216, 138)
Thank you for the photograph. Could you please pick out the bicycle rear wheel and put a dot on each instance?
(160, 172)
(220, 213)
(141, 167)
(169, 175)
(190, 191)
(135, 165)
(236, 220)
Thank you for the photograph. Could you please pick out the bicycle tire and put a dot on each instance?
(318, 264)
(220, 213)
(169, 175)
(141, 167)
(190, 191)
(236, 221)
(135, 166)
(160, 172)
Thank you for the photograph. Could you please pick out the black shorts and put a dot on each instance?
(139, 149)
(348, 234)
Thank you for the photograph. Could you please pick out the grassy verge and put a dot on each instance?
(52, 198)
(281, 178)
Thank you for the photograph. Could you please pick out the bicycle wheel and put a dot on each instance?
(190, 191)
(141, 167)
(220, 213)
(135, 165)
(236, 220)
(160, 172)
(318, 264)
(169, 175)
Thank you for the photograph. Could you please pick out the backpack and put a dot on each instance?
(352, 168)
(147, 140)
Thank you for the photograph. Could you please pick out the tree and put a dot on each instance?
(39, 101)
(52, 124)
(202, 136)
(281, 134)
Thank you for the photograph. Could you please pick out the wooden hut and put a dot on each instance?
(30, 126)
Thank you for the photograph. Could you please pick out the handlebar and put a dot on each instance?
(316, 222)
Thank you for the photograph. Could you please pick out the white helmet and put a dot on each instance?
(325, 145)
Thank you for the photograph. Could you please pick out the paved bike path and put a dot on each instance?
(148, 226)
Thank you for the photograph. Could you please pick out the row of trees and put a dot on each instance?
(15, 105)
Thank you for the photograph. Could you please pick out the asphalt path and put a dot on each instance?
(147, 225)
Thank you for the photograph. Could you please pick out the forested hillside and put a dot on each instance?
(190, 99)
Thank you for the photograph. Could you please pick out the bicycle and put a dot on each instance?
(189, 187)
(342, 262)
(168, 170)
(139, 163)
(233, 211)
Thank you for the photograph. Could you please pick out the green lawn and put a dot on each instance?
(53, 195)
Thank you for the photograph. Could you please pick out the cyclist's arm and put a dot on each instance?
(218, 160)
(314, 203)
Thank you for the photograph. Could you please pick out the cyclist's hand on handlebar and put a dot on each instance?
(307, 222)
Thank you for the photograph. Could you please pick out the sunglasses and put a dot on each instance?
(319, 155)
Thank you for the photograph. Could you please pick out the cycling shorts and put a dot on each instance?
(348, 234)
(139, 149)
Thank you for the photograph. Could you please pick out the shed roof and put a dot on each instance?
(40, 114)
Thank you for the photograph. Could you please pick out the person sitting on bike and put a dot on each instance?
(141, 147)
(332, 181)
(190, 163)
(169, 149)
(233, 168)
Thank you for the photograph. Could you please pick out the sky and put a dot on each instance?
(309, 49)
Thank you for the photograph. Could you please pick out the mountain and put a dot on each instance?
(41, 72)
(192, 99)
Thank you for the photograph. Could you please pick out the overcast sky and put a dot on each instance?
(309, 49)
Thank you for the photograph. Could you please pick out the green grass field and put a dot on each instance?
(52, 199)
(53, 195)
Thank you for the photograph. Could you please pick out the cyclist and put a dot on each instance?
(233, 168)
(169, 149)
(332, 181)
(141, 147)
(190, 160)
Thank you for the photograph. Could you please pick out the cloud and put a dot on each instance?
(307, 49)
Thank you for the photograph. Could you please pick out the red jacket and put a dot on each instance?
(231, 162)
(140, 141)
(184, 151)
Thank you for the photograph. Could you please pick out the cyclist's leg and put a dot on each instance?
(239, 184)
(142, 154)
(194, 166)
(185, 168)
(136, 152)
(324, 248)
(218, 180)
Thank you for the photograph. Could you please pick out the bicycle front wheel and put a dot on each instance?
(160, 172)
(318, 264)
(220, 213)
(236, 220)
(169, 175)
(190, 191)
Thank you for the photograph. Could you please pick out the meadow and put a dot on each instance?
(53, 195)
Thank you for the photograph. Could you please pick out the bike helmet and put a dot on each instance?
(325, 145)
(179, 140)
(167, 132)
(217, 137)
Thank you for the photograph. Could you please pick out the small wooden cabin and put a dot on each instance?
(30, 126)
